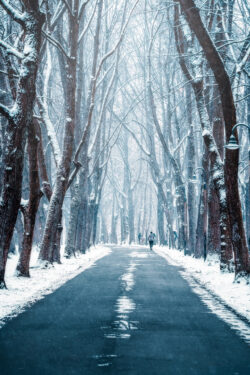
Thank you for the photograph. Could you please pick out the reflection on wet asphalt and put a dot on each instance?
(122, 326)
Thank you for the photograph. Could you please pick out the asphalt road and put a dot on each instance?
(131, 314)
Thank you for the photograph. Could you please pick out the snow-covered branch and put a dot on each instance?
(5, 111)
(58, 13)
(55, 43)
(181, 142)
(136, 140)
(14, 13)
(88, 24)
(82, 8)
(10, 50)
(108, 54)
(65, 2)
(50, 131)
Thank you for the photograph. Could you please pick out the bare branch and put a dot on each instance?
(136, 140)
(55, 44)
(65, 2)
(6, 74)
(77, 165)
(108, 54)
(15, 14)
(83, 6)
(58, 13)
(5, 112)
(10, 50)
(87, 26)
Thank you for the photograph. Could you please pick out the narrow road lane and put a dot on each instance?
(132, 314)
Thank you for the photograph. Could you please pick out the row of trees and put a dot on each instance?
(188, 72)
(59, 65)
(116, 114)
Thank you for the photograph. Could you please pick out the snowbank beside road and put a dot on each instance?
(23, 292)
(236, 295)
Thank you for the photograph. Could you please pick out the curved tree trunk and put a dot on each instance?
(229, 113)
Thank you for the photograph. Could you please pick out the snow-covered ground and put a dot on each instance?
(236, 295)
(23, 292)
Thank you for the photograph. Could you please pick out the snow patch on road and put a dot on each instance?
(23, 292)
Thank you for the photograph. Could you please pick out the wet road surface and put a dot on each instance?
(132, 314)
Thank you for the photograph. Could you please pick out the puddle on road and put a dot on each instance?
(217, 308)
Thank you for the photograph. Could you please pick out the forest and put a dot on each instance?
(122, 117)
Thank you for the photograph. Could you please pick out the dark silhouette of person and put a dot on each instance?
(151, 238)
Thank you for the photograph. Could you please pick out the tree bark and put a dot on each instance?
(160, 219)
(229, 113)
(19, 120)
(213, 235)
(216, 165)
(30, 209)
(63, 169)
(201, 229)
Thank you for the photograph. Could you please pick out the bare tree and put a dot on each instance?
(20, 118)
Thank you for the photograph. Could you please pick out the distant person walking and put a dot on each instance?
(139, 238)
(151, 239)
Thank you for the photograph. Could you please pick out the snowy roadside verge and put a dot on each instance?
(235, 295)
(23, 292)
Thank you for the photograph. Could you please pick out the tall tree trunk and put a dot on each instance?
(213, 235)
(248, 182)
(85, 208)
(201, 229)
(75, 204)
(216, 164)
(229, 113)
(160, 219)
(113, 236)
(19, 120)
(191, 190)
(29, 209)
(63, 170)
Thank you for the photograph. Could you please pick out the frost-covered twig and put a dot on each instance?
(181, 142)
(82, 7)
(87, 26)
(10, 50)
(108, 54)
(56, 44)
(58, 13)
(14, 13)
(65, 2)
(50, 131)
